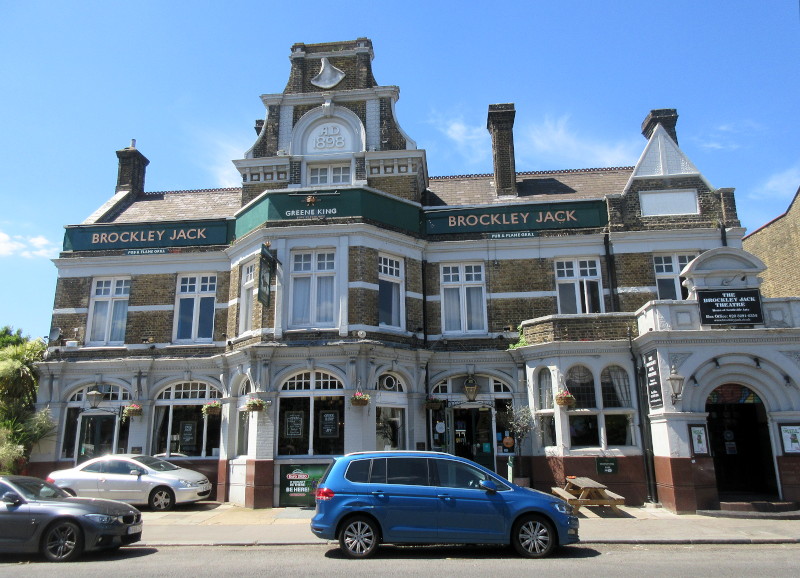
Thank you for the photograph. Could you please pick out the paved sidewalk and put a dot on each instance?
(212, 523)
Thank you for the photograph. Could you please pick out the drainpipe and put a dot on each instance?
(644, 427)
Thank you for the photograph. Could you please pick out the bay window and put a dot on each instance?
(311, 415)
(179, 426)
(246, 298)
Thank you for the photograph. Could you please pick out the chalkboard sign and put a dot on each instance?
(188, 429)
(329, 424)
(606, 465)
(294, 424)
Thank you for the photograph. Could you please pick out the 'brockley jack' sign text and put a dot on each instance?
(730, 307)
(517, 218)
(150, 235)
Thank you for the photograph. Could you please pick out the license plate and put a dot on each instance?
(206, 487)
(134, 529)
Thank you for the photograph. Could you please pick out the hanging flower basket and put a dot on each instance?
(565, 398)
(212, 408)
(360, 398)
(434, 403)
(255, 404)
(132, 410)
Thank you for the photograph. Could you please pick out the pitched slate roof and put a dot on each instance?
(176, 206)
(545, 186)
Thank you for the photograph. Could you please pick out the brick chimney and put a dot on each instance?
(666, 117)
(132, 166)
(500, 124)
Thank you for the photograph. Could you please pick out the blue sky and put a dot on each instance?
(80, 79)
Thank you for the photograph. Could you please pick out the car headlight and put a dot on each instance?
(103, 519)
(563, 507)
(189, 484)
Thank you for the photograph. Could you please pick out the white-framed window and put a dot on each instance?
(602, 416)
(89, 433)
(390, 292)
(668, 279)
(579, 287)
(675, 202)
(463, 298)
(246, 297)
(329, 175)
(313, 294)
(179, 426)
(108, 312)
(311, 415)
(196, 301)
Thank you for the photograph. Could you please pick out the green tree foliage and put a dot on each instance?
(10, 337)
(21, 427)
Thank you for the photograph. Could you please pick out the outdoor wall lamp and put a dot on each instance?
(676, 384)
(94, 398)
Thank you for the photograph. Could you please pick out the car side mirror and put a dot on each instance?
(12, 498)
(488, 485)
(136, 473)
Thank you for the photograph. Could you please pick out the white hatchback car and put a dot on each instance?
(134, 479)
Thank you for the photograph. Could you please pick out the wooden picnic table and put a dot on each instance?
(582, 491)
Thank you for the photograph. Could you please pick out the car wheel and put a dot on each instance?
(359, 537)
(62, 541)
(161, 499)
(534, 537)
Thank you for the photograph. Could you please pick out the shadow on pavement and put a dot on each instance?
(466, 552)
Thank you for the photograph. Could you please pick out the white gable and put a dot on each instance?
(663, 158)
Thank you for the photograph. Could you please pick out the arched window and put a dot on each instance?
(580, 383)
(89, 433)
(615, 387)
(311, 415)
(179, 427)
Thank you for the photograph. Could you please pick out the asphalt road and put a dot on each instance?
(323, 560)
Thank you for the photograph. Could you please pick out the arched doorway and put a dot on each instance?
(739, 438)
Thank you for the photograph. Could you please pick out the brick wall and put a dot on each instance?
(776, 244)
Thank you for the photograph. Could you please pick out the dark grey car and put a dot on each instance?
(37, 516)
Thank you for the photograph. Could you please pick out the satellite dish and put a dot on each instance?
(361, 334)
(55, 333)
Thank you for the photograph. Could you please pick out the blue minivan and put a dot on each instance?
(399, 497)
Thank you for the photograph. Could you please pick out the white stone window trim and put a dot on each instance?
(118, 295)
(316, 272)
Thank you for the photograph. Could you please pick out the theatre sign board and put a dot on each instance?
(730, 307)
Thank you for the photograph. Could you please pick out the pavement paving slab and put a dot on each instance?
(223, 524)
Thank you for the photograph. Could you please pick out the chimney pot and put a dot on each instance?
(666, 117)
(131, 172)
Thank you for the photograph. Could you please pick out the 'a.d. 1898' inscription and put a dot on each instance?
(329, 137)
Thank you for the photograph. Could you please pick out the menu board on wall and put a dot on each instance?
(653, 377)
(329, 424)
(299, 482)
(294, 424)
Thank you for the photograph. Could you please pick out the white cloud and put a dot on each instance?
(220, 166)
(782, 185)
(551, 143)
(28, 247)
(727, 136)
(554, 143)
(471, 142)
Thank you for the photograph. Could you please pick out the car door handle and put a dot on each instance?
(378, 494)
(444, 496)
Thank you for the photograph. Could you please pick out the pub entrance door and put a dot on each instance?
(473, 436)
(740, 444)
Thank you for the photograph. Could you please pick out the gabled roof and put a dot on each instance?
(663, 158)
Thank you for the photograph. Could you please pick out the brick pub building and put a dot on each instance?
(341, 268)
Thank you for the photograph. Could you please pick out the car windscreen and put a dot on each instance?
(33, 489)
(156, 464)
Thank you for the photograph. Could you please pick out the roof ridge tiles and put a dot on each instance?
(220, 189)
(551, 172)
